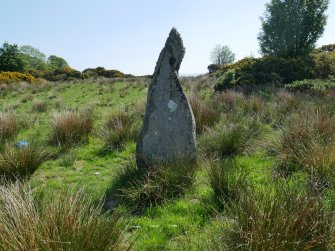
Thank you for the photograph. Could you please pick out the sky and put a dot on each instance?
(128, 35)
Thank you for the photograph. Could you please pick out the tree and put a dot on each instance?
(55, 63)
(291, 28)
(10, 58)
(32, 52)
(222, 55)
(34, 59)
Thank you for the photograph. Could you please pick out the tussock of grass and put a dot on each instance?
(229, 101)
(226, 179)
(119, 129)
(67, 221)
(70, 127)
(205, 114)
(17, 163)
(39, 105)
(8, 127)
(307, 143)
(227, 138)
(141, 189)
(287, 219)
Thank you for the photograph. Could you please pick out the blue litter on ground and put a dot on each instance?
(22, 144)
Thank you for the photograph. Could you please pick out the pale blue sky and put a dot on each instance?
(128, 35)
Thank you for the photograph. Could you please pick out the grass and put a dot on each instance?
(141, 189)
(119, 128)
(307, 143)
(67, 221)
(205, 114)
(39, 106)
(228, 138)
(70, 127)
(242, 139)
(18, 163)
(286, 219)
(8, 126)
(226, 179)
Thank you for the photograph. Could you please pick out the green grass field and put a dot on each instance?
(267, 150)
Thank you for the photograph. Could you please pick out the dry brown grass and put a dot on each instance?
(8, 126)
(70, 127)
(205, 114)
(39, 105)
(18, 163)
(119, 129)
(66, 221)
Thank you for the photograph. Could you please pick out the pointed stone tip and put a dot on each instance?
(174, 32)
(175, 43)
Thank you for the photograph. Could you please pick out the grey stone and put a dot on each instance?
(168, 129)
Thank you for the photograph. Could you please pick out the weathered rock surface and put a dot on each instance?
(168, 129)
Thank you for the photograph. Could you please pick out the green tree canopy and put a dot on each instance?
(33, 58)
(32, 52)
(291, 27)
(221, 54)
(10, 58)
(55, 63)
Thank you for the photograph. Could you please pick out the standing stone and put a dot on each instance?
(168, 129)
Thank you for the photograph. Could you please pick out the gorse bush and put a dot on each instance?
(156, 185)
(285, 219)
(71, 127)
(271, 70)
(8, 126)
(19, 163)
(16, 77)
(102, 72)
(62, 74)
(312, 85)
(119, 128)
(66, 221)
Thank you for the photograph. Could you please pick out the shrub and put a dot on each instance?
(213, 68)
(142, 189)
(228, 79)
(70, 127)
(311, 85)
(18, 163)
(64, 221)
(62, 74)
(266, 70)
(324, 62)
(16, 77)
(39, 105)
(119, 128)
(286, 219)
(205, 114)
(102, 72)
(8, 127)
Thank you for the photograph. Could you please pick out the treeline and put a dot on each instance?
(28, 64)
